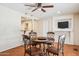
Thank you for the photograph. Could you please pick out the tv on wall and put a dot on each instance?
(64, 24)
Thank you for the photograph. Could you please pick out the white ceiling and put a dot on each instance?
(64, 8)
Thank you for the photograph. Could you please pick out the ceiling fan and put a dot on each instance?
(40, 5)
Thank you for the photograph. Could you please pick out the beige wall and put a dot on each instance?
(40, 27)
(50, 24)
(76, 29)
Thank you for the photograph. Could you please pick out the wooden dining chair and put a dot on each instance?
(25, 41)
(33, 50)
(33, 36)
(60, 47)
(50, 37)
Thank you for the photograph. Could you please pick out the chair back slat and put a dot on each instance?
(33, 35)
(25, 39)
(50, 36)
(61, 41)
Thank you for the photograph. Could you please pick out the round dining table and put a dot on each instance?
(43, 43)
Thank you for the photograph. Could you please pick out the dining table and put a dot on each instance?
(43, 41)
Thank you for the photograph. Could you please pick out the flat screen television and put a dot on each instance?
(64, 24)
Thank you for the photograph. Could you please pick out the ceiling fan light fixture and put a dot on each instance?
(59, 12)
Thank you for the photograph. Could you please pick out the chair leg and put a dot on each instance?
(24, 49)
(62, 53)
(48, 53)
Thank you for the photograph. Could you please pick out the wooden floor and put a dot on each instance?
(19, 51)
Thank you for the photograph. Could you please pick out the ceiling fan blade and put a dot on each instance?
(50, 6)
(30, 5)
(34, 9)
(43, 10)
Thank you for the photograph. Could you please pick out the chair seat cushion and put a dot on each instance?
(52, 50)
(34, 51)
